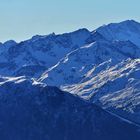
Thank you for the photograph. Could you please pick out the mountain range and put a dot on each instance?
(79, 85)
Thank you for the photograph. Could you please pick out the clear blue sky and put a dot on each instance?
(21, 19)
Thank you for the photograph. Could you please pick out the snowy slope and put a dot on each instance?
(102, 70)
(101, 66)
(39, 112)
(116, 89)
(77, 65)
(34, 56)
(105, 71)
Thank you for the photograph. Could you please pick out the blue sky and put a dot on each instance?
(21, 19)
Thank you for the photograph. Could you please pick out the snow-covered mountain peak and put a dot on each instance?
(41, 37)
(123, 31)
(10, 43)
(81, 31)
(129, 22)
(122, 24)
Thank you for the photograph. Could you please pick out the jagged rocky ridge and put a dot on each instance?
(101, 66)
